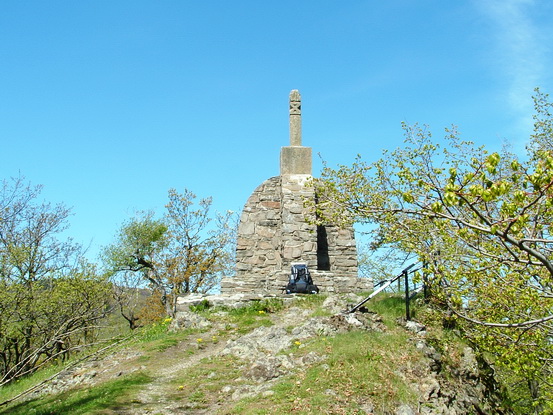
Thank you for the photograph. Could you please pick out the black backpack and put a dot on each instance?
(301, 281)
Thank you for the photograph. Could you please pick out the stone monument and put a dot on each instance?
(275, 231)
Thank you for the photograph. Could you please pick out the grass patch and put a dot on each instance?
(361, 370)
(25, 383)
(152, 332)
(157, 337)
(108, 395)
(16, 387)
(313, 302)
(201, 385)
(391, 307)
(310, 300)
(271, 305)
(241, 320)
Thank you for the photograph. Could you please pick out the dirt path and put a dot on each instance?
(158, 397)
(166, 368)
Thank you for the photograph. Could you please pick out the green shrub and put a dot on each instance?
(202, 306)
(271, 305)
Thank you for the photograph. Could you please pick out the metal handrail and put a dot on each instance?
(385, 284)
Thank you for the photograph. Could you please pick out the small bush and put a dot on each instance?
(271, 305)
(202, 306)
(153, 310)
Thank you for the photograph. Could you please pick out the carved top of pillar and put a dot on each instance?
(295, 102)
(295, 118)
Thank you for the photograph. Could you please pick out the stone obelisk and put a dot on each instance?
(295, 159)
(274, 234)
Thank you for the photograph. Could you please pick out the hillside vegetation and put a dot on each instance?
(292, 355)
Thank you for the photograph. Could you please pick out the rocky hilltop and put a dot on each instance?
(297, 354)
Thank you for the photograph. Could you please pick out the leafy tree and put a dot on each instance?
(197, 253)
(50, 299)
(186, 251)
(482, 222)
(138, 249)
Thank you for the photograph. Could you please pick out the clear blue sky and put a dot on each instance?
(108, 104)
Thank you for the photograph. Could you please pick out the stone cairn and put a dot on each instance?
(275, 231)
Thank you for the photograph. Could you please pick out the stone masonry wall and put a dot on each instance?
(299, 238)
(342, 250)
(273, 234)
(258, 248)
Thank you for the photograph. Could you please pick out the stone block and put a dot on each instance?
(295, 160)
(265, 246)
(243, 267)
(266, 232)
(254, 260)
(247, 228)
(344, 262)
(295, 208)
(271, 204)
(273, 215)
(290, 227)
(271, 223)
(364, 284)
(309, 246)
(292, 252)
(288, 217)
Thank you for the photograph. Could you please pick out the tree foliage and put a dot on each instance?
(200, 246)
(50, 299)
(482, 223)
(186, 251)
(137, 250)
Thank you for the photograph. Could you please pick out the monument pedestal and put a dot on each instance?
(295, 160)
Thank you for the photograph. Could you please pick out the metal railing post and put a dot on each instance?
(407, 313)
(399, 285)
